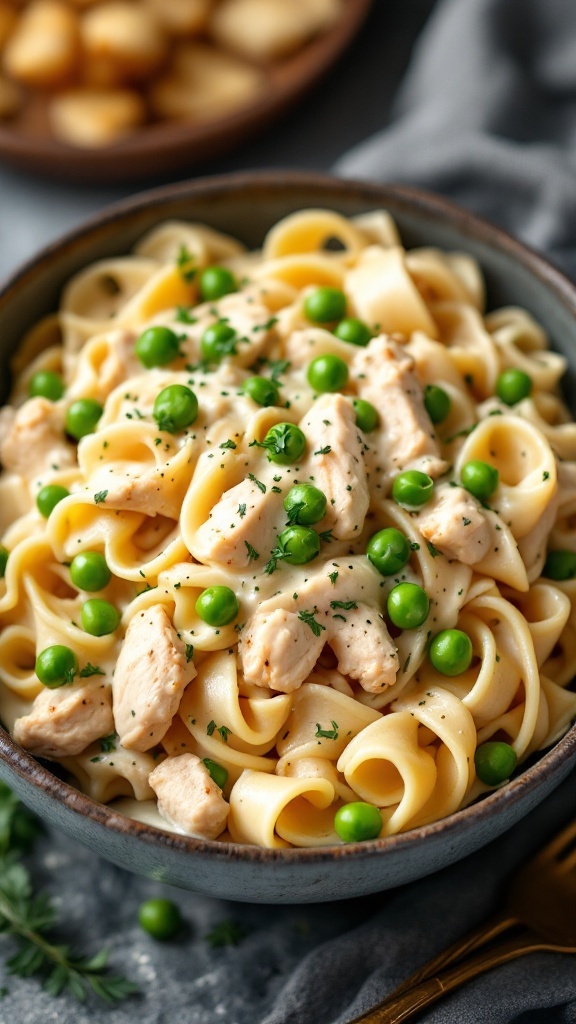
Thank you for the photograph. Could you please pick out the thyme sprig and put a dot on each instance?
(29, 919)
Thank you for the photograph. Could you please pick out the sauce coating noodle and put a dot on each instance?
(270, 663)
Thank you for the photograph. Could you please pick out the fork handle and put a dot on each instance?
(409, 1004)
(469, 943)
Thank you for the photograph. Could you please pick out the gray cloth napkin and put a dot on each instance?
(487, 115)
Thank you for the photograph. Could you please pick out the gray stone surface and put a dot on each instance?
(466, 124)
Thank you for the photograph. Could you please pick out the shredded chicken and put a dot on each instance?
(65, 721)
(35, 440)
(279, 646)
(454, 524)
(188, 797)
(405, 439)
(151, 674)
(337, 464)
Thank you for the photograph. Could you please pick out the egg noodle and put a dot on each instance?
(311, 696)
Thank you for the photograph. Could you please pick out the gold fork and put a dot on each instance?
(540, 914)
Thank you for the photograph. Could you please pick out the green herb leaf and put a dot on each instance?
(345, 605)
(108, 743)
(90, 670)
(226, 933)
(100, 497)
(327, 734)
(259, 484)
(253, 555)
(308, 618)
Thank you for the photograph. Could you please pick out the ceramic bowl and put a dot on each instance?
(169, 146)
(247, 205)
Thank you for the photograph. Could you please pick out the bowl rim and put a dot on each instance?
(402, 197)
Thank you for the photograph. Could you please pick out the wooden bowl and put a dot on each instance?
(246, 206)
(171, 146)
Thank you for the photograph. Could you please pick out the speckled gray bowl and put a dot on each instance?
(247, 205)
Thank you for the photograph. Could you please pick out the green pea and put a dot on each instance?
(327, 373)
(408, 605)
(451, 652)
(560, 565)
(357, 822)
(285, 443)
(479, 478)
(4, 554)
(82, 417)
(98, 617)
(388, 550)
(46, 384)
(262, 390)
(305, 504)
(512, 386)
(494, 762)
(217, 772)
(157, 346)
(367, 418)
(437, 403)
(49, 496)
(412, 488)
(354, 331)
(56, 665)
(175, 408)
(217, 606)
(325, 305)
(300, 544)
(89, 571)
(160, 918)
(215, 282)
(219, 340)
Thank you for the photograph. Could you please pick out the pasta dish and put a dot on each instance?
(288, 551)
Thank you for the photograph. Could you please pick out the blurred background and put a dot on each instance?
(351, 102)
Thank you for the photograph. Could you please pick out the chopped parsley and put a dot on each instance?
(308, 618)
(333, 576)
(100, 497)
(108, 743)
(324, 451)
(241, 511)
(253, 555)
(327, 734)
(183, 315)
(90, 670)
(189, 651)
(259, 484)
(184, 262)
(345, 605)
(226, 933)
(228, 444)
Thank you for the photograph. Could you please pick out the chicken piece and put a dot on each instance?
(65, 721)
(150, 492)
(243, 516)
(384, 373)
(120, 363)
(278, 650)
(35, 441)
(151, 674)
(340, 473)
(188, 797)
(454, 524)
(365, 649)
(280, 644)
